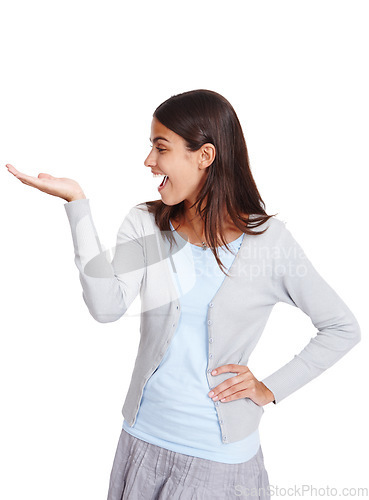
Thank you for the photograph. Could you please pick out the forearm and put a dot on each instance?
(299, 284)
(106, 296)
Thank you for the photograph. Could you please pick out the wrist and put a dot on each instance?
(79, 196)
(269, 395)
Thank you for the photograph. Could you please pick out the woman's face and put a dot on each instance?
(186, 170)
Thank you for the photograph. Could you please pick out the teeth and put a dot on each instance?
(158, 175)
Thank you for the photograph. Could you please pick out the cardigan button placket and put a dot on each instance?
(216, 403)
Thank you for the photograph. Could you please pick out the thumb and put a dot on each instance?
(45, 176)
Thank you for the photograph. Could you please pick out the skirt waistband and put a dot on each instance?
(185, 467)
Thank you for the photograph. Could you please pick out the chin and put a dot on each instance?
(169, 204)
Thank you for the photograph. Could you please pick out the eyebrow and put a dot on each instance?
(158, 139)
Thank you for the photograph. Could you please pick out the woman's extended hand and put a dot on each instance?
(243, 385)
(68, 189)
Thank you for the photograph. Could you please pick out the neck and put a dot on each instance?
(194, 220)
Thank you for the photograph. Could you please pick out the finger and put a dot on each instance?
(229, 368)
(249, 390)
(32, 181)
(245, 377)
(11, 169)
(240, 389)
(28, 179)
(15, 172)
(237, 395)
(215, 391)
(227, 391)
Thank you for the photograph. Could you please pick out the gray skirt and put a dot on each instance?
(145, 471)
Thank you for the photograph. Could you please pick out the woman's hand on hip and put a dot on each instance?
(243, 385)
(64, 188)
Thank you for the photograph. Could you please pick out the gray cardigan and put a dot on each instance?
(268, 268)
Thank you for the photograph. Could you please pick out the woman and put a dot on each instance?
(207, 282)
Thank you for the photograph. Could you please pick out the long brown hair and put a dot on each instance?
(199, 117)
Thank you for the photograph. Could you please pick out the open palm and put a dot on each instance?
(65, 188)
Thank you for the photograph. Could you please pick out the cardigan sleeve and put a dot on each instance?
(108, 286)
(299, 284)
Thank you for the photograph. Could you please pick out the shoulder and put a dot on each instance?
(280, 233)
(139, 211)
(142, 206)
(273, 227)
(142, 219)
(283, 242)
(275, 240)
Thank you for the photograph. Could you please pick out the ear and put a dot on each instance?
(207, 155)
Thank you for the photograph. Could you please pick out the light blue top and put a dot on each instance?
(176, 412)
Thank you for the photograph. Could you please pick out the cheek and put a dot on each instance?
(181, 171)
(182, 179)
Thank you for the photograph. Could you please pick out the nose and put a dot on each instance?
(150, 160)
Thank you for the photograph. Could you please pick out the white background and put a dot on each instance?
(79, 83)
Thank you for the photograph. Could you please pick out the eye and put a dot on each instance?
(160, 149)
